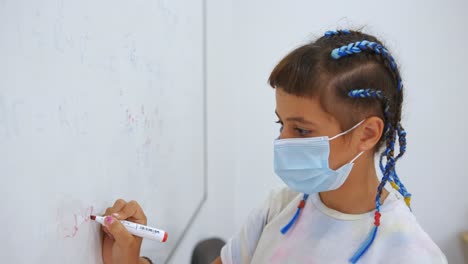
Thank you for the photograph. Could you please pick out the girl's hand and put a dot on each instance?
(119, 246)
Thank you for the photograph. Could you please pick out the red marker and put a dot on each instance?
(138, 230)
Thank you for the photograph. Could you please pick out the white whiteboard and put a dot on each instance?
(99, 100)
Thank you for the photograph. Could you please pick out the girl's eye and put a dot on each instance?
(281, 127)
(302, 132)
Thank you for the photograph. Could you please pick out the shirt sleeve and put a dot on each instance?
(240, 248)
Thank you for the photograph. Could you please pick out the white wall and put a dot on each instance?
(247, 38)
(216, 217)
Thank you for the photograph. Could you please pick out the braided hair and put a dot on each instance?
(354, 76)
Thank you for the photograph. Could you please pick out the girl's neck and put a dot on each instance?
(357, 194)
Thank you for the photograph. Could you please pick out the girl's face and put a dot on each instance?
(302, 117)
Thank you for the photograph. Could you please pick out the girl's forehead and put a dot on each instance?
(289, 103)
(291, 107)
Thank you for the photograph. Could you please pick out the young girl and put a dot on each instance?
(338, 101)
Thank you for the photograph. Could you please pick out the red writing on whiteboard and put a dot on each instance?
(70, 224)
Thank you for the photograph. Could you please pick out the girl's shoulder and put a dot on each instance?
(279, 199)
(401, 231)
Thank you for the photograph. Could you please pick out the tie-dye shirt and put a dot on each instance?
(324, 235)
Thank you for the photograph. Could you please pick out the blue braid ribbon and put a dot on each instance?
(371, 237)
(370, 93)
(288, 226)
(365, 45)
(365, 93)
(388, 171)
(365, 246)
(331, 33)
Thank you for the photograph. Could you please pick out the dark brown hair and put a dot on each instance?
(310, 71)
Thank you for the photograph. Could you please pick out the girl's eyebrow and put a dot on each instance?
(299, 119)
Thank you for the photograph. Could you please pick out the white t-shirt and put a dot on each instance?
(324, 235)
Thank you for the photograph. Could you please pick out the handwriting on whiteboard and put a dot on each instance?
(70, 223)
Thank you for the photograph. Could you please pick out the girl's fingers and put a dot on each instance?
(131, 210)
(111, 237)
(107, 233)
(118, 231)
(118, 205)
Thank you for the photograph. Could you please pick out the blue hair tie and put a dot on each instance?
(331, 33)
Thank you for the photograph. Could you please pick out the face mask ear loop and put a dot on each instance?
(355, 158)
(347, 131)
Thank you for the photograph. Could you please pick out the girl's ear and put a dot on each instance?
(370, 132)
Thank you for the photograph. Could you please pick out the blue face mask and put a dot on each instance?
(302, 163)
